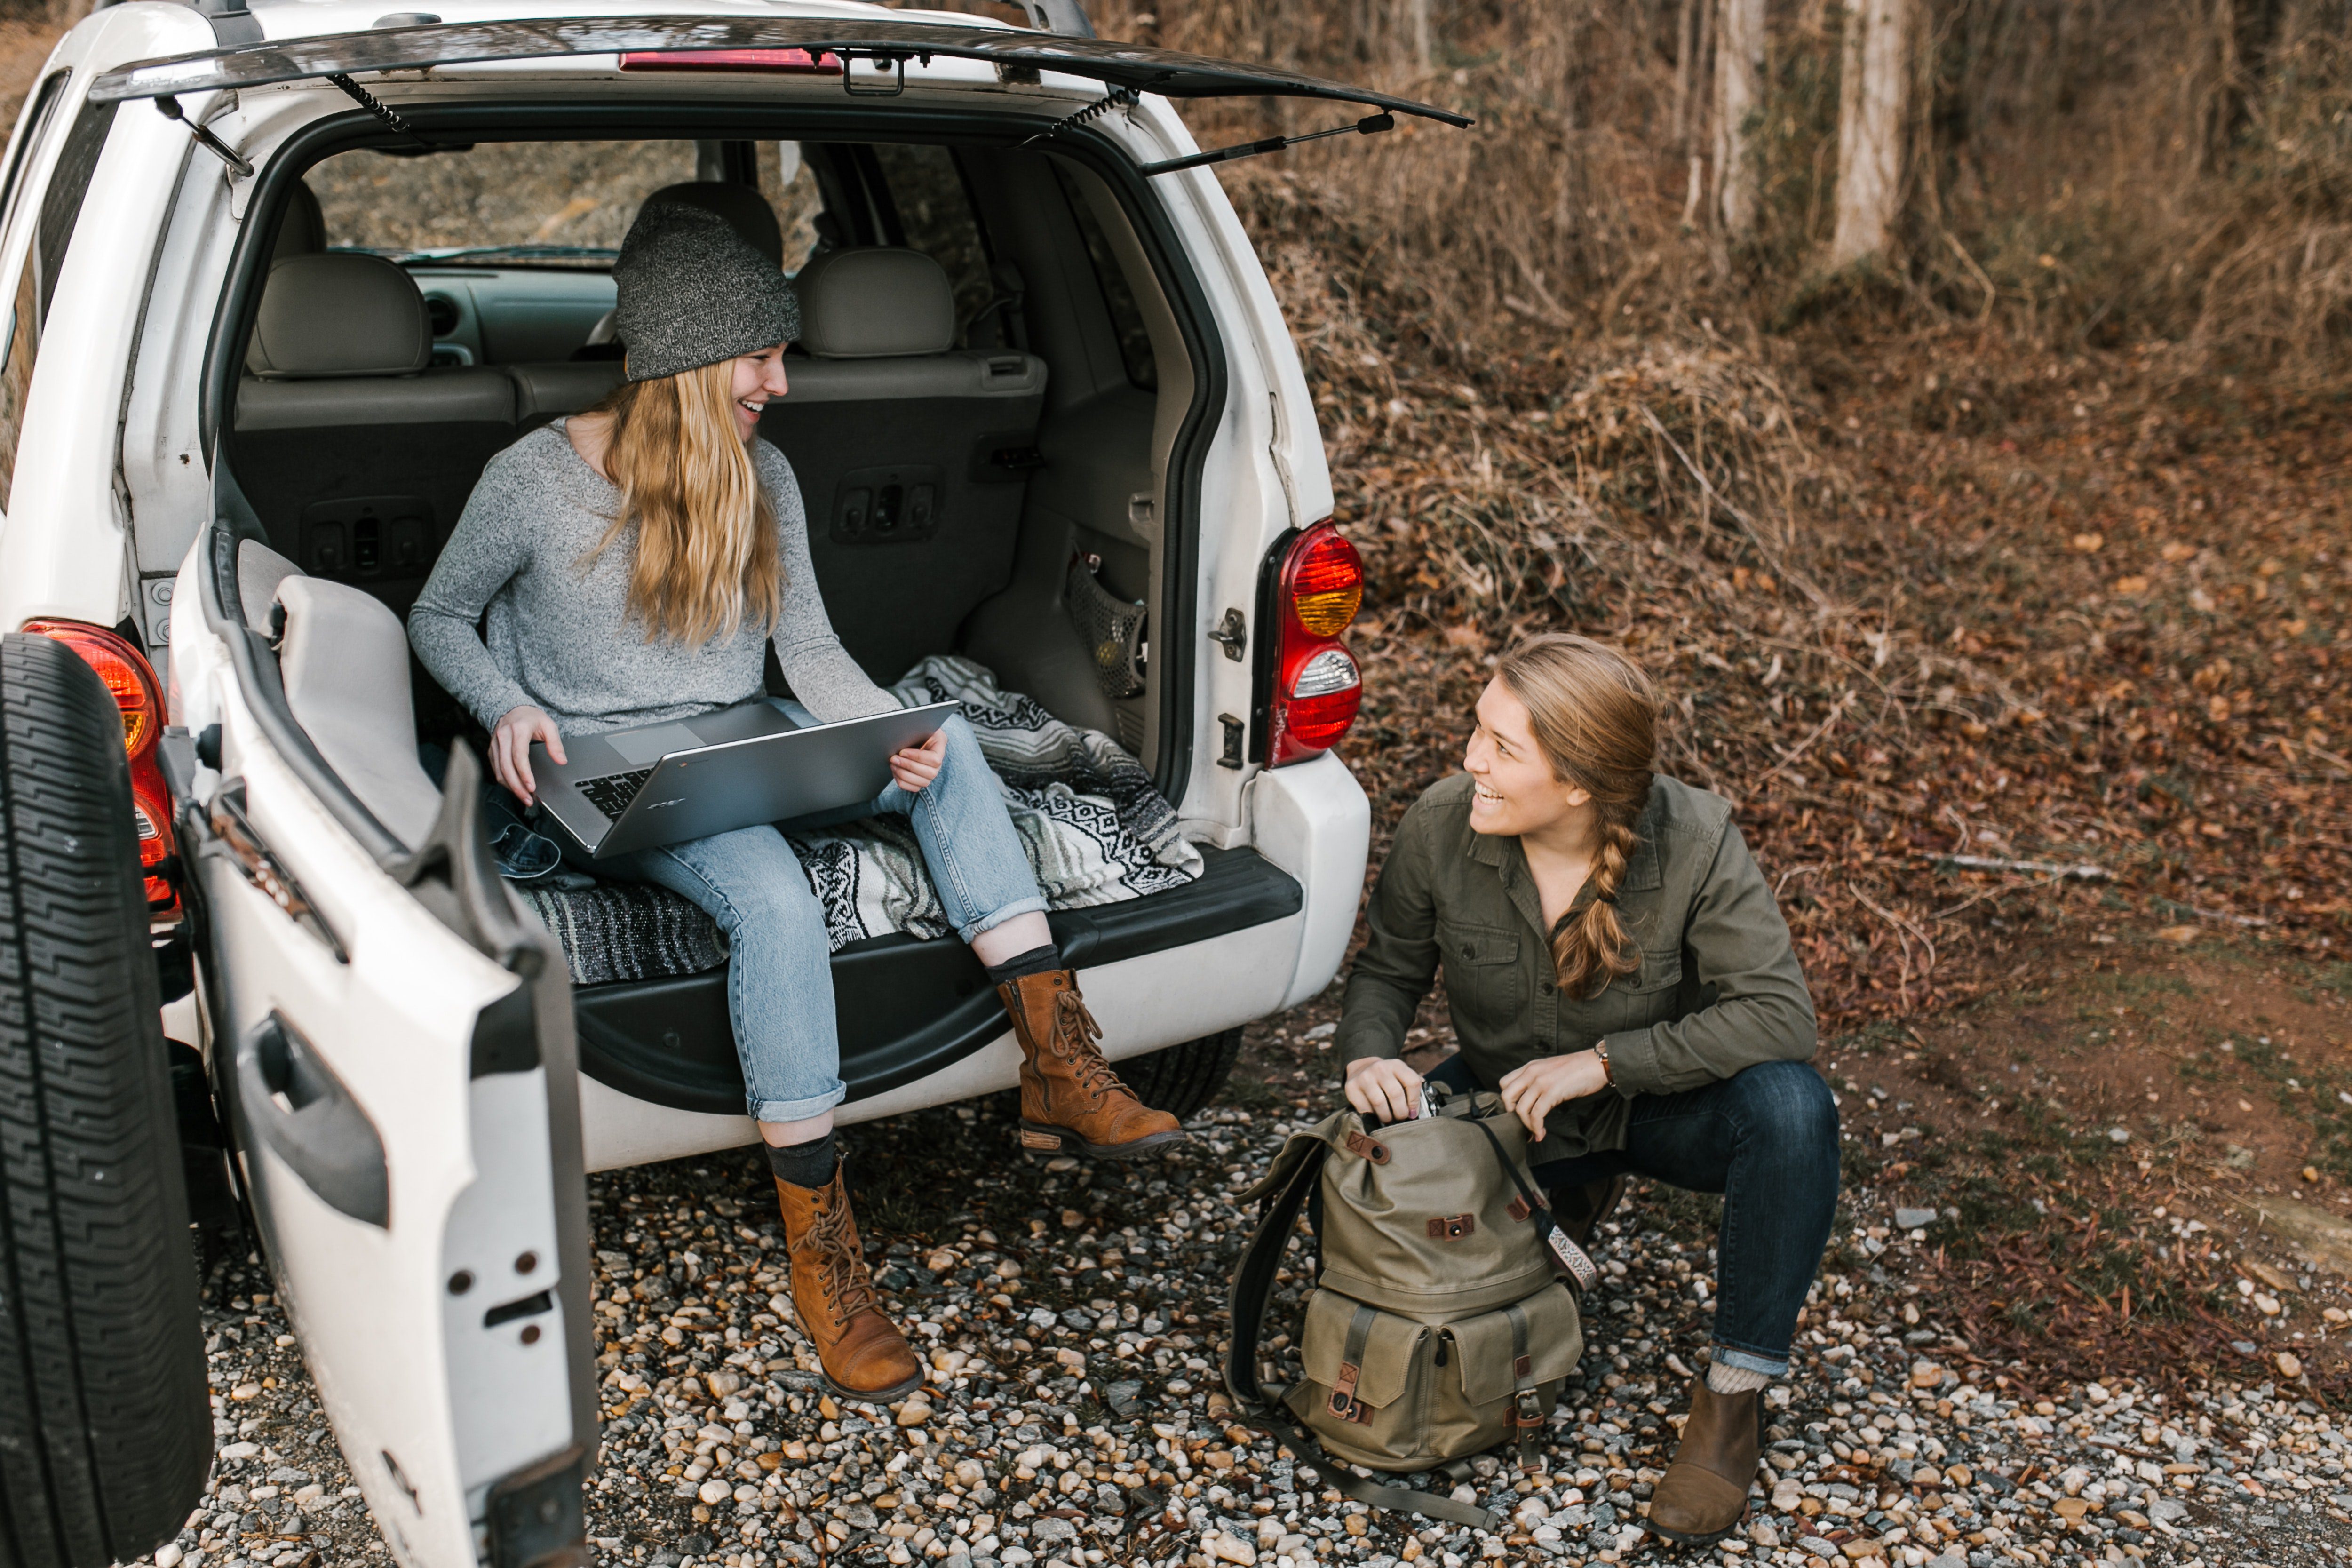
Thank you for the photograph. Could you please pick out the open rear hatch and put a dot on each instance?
(1018, 55)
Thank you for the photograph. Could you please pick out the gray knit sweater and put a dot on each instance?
(563, 641)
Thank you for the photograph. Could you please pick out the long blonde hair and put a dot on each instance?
(1595, 716)
(705, 556)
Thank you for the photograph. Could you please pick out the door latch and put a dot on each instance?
(1232, 632)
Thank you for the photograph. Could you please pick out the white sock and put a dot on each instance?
(1726, 1378)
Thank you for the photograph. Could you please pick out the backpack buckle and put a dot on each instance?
(1367, 1148)
(1530, 1422)
(1343, 1402)
(1452, 1227)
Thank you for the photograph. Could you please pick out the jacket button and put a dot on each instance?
(1547, 987)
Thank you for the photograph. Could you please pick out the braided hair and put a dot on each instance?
(1594, 714)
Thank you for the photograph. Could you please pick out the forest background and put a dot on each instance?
(1944, 397)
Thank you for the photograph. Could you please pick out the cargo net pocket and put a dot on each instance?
(1112, 628)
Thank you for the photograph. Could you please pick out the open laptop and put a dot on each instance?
(663, 783)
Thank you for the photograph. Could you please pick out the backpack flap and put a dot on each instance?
(1376, 1374)
(1365, 1383)
(1418, 1220)
(1521, 1354)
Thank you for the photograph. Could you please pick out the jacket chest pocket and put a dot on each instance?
(1644, 997)
(1481, 970)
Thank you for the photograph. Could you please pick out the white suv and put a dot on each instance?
(220, 492)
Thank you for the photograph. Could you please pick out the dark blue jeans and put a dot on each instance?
(1766, 1139)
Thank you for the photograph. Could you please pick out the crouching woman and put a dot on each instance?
(1617, 969)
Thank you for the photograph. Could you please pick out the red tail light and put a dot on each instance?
(132, 681)
(1317, 686)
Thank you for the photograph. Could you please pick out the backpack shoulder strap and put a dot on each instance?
(1253, 1283)
(1254, 1275)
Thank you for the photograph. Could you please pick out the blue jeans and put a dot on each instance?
(1766, 1139)
(779, 965)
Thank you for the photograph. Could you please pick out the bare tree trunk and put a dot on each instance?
(1738, 93)
(1416, 19)
(1687, 135)
(1685, 73)
(1873, 93)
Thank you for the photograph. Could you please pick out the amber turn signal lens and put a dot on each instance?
(1326, 585)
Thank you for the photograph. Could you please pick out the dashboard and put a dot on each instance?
(511, 315)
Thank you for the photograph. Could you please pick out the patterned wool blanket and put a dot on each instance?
(1096, 830)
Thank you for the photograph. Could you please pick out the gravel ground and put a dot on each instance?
(1072, 1314)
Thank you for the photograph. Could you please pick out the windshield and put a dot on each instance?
(532, 204)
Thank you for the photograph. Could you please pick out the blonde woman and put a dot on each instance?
(631, 565)
(1617, 969)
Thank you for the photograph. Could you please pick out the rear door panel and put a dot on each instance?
(440, 1295)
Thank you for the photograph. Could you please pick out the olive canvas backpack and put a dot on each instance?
(1441, 1322)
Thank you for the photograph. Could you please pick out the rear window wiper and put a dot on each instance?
(1370, 125)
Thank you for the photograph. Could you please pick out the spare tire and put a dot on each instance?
(1183, 1080)
(105, 1421)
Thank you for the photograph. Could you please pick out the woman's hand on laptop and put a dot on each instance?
(916, 766)
(510, 745)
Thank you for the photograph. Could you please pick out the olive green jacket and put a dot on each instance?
(1720, 987)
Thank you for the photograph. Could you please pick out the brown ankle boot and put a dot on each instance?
(1070, 1096)
(1703, 1495)
(864, 1355)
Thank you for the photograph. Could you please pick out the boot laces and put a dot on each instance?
(848, 1288)
(1074, 1033)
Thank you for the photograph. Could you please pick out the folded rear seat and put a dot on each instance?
(913, 456)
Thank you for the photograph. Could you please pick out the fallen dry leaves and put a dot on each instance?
(1978, 637)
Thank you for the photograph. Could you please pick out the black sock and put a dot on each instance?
(809, 1164)
(1036, 961)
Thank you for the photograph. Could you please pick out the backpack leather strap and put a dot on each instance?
(1527, 1410)
(1574, 1262)
(1253, 1284)
(1344, 1402)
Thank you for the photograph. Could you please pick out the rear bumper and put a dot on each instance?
(1312, 820)
(1262, 931)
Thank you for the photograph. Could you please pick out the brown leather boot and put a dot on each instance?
(1070, 1096)
(864, 1355)
(1703, 1495)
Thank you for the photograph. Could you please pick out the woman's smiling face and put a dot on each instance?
(758, 377)
(1516, 794)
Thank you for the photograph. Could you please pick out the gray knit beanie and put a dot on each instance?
(694, 293)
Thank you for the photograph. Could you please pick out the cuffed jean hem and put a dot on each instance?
(796, 1110)
(1748, 1360)
(995, 917)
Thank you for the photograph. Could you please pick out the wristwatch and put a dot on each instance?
(1600, 1049)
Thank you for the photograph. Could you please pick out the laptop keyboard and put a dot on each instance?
(612, 794)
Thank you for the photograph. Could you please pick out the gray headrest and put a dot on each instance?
(875, 302)
(746, 212)
(339, 313)
(302, 228)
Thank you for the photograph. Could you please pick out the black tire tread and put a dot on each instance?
(1185, 1080)
(105, 1422)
